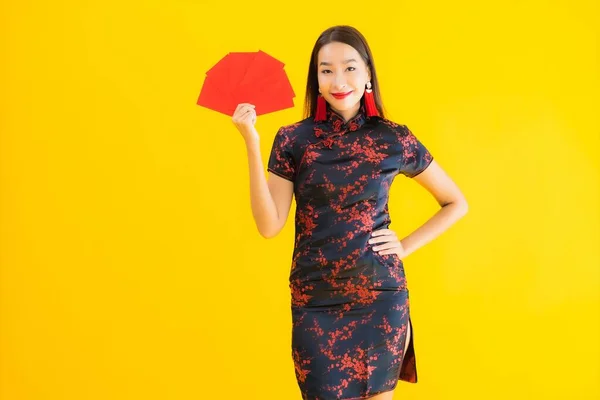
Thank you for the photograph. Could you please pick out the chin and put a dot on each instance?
(345, 104)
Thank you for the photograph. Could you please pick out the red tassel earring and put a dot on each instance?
(321, 114)
(370, 107)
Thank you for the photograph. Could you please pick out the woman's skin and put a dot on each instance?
(341, 70)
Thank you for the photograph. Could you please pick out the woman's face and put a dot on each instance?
(341, 70)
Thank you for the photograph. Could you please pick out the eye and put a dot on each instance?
(325, 71)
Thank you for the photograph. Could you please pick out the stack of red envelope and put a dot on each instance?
(247, 77)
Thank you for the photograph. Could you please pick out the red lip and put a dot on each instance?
(341, 95)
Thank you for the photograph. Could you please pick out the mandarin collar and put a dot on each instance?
(334, 123)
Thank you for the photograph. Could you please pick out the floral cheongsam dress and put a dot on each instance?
(350, 304)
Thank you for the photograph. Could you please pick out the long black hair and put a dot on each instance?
(352, 37)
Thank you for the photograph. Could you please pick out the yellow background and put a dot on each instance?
(131, 266)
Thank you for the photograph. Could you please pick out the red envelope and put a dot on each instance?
(247, 77)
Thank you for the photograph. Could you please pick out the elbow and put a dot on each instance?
(269, 233)
(270, 228)
(463, 206)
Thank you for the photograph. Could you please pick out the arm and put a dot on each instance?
(270, 200)
(453, 207)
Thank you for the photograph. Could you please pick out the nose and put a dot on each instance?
(339, 81)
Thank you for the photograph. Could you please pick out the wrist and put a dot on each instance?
(252, 141)
(405, 248)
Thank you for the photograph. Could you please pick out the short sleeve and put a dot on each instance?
(415, 156)
(281, 160)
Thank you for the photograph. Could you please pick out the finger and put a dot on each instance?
(241, 108)
(394, 251)
(248, 110)
(379, 239)
(244, 105)
(382, 231)
(240, 113)
(247, 117)
(385, 246)
(240, 116)
(238, 107)
(248, 113)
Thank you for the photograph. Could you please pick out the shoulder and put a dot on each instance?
(306, 123)
(291, 133)
(396, 127)
(402, 132)
(392, 128)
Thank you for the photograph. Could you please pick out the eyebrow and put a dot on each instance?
(345, 62)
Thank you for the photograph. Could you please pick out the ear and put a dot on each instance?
(369, 73)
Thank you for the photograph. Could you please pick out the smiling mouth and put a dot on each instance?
(341, 95)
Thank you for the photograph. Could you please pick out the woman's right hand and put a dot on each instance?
(244, 118)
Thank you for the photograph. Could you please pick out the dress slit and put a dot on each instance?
(408, 371)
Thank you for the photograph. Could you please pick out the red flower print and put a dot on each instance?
(349, 303)
(337, 125)
(328, 142)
